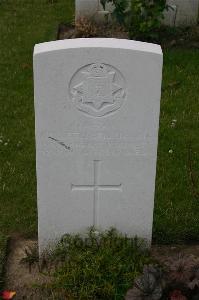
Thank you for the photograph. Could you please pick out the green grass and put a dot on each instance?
(176, 216)
(26, 22)
(99, 265)
(23, 23)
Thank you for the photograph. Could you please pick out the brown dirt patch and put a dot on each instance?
(67, 31)
(168, 37)
(161, 253)
(18, 276)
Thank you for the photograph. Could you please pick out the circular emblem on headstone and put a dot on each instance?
(97, 89)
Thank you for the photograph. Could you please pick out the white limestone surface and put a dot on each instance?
(97, 107)
(170, 15)
(86, 8)
(185, 12)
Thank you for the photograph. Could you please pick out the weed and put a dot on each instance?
(98, 265)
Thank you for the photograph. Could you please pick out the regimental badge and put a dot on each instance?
(97, 89)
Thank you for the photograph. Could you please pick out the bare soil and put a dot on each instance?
(168, 37)
(19, 278)
(83, 31)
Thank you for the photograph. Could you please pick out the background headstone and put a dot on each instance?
(86, 8)
(92, 9)
(170, 16)
(181, 12)
(97, 112)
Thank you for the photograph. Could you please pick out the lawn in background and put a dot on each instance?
(24, 23)
(176, 215)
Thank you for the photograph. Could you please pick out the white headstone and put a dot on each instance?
(170, 16)
(86, 8)
(182, 13)
(97, 113)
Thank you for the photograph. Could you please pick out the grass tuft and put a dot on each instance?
(98, 265)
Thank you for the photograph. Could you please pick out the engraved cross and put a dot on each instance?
(95, 188)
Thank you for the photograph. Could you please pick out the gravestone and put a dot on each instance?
(92, 9)
(170, 15)
(86, 8)
(180, 12)
(97, 112)
(185, 12)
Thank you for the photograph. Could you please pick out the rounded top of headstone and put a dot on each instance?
(97, 43)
